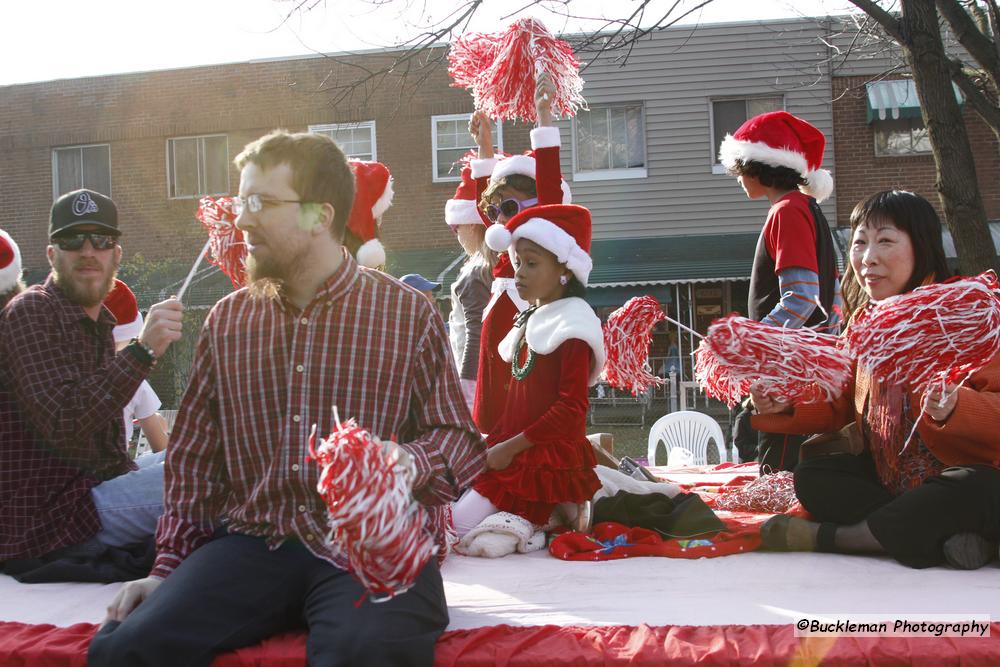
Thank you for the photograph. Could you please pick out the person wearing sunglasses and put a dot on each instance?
(243, 549)
(66, 480)
(506, 187)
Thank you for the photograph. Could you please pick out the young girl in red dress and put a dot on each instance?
(539, 455)
(507, 186)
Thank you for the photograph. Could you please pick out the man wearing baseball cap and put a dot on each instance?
(421, 284)
(65, 476)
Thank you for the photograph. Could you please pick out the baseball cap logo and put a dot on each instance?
(83, 204)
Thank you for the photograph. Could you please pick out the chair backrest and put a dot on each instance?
(142, 444)
(688, 430)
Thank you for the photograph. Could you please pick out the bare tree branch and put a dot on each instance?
(978, 44)
(889, 23)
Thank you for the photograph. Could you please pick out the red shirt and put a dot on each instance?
(264, 372)
(62, 392)
(790, 233)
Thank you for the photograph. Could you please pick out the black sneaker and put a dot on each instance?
(968, 551)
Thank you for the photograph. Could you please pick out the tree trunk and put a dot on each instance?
(956, 184)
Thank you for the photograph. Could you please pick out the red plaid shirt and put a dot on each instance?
(264, 372)
(62, 392)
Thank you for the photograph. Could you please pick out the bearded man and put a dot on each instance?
(242, 549)
(66, 481)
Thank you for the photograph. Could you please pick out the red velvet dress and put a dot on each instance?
(550, 407)
(493, 378)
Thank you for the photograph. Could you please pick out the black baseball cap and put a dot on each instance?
(83, 207)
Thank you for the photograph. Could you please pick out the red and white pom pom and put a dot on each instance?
(500, 70)
(768, 494)
(627, 336)
(795, 365)
(938, 333)
(226, 246)
(373, 518)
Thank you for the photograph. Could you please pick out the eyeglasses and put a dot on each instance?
(75, 241)
(256, 203)
(509, 208)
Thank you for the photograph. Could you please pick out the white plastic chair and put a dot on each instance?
(142, 444)
(688, 430)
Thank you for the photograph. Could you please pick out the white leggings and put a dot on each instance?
(469, 511)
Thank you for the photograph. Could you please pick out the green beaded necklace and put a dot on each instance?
(529, 363)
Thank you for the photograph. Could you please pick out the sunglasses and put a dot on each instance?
(75, 241)
(508, 208)
(256, 203)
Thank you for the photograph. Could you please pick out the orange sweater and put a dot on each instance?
(970, 435)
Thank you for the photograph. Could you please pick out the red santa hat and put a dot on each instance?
(10, 262)
(779, 139)
(123, 305)
(562, 229)
(372, 197)
(463, 208)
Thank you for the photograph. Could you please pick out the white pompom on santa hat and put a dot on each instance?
(463, 208)
(10, 262)
(123, 305)
(562, 229)
(779, 139)
(372, 197)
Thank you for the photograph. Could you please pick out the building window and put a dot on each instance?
(197, 166)
(357, 140)
(904, 136)
(451, 141)
(609, 141)
(81, 167)
(729, 114)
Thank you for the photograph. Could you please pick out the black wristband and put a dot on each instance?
(143, 353)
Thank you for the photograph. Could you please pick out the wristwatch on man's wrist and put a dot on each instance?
(142, 352)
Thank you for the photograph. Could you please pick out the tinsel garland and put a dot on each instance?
(768, 494)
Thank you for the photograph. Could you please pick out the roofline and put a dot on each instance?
(391, 49)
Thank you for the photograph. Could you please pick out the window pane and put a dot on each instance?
(453, 141)
(97, 168)
(618, 144)
(185, 167)
(759, 105)
(610, 137)
(921, 138)
(446, 159)
(600, 122)
(636, 138)
(216, 166)
(727, 116)
(69, 171)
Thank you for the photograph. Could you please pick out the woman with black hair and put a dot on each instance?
(934, 500)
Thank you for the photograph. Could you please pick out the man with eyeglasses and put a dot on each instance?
(67, 485)
(242, 549)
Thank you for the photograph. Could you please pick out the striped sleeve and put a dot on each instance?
(799, 298)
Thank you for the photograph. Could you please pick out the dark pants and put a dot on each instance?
(233, 592)
(912, 527)
(778, 451)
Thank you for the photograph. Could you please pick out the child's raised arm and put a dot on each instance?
(545, 91)
(481, 130)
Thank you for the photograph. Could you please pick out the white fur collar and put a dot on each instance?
(555, 323)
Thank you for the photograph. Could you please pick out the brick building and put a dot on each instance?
(877, 154)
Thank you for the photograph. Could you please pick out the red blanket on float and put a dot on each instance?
(553, 646)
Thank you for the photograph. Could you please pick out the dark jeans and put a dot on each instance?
(233, 592)
(913, 526)
(778, 451)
